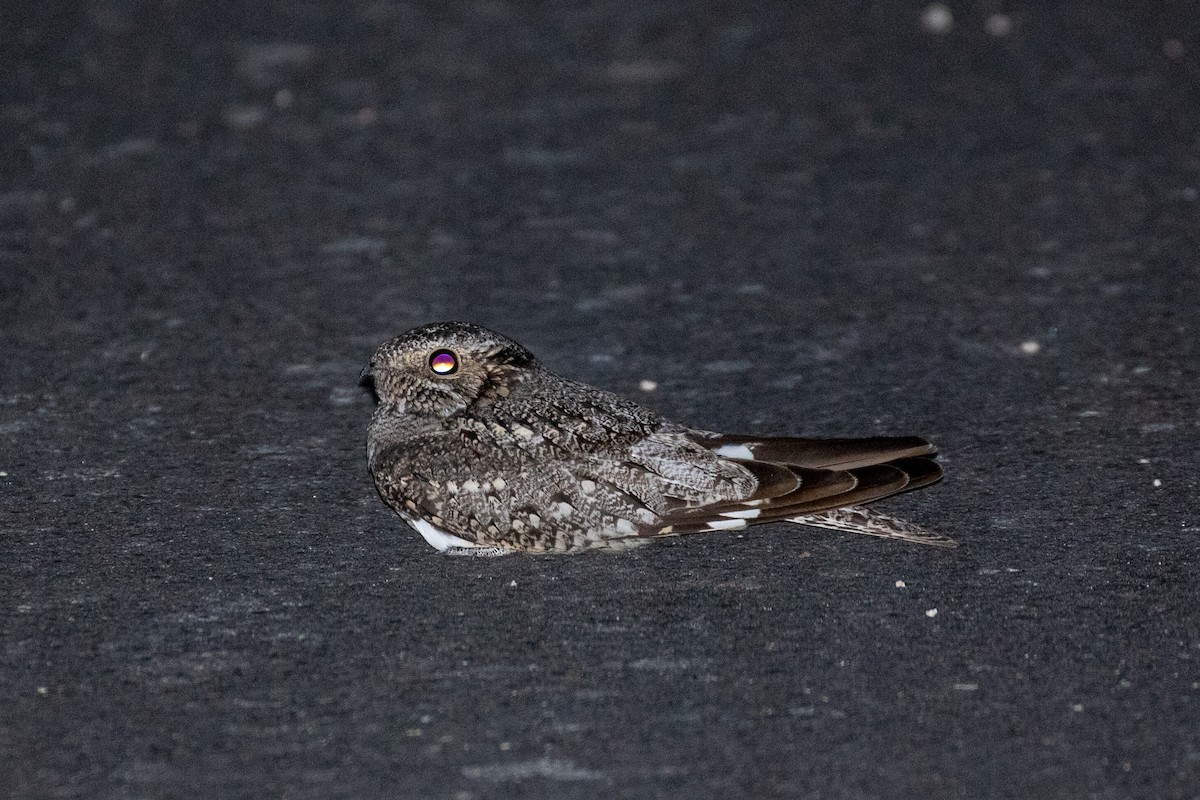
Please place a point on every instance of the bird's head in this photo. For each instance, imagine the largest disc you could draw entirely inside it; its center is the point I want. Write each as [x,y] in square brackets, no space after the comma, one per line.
[443,368]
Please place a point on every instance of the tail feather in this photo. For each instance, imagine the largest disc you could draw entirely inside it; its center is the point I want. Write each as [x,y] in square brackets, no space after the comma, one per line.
[856,519]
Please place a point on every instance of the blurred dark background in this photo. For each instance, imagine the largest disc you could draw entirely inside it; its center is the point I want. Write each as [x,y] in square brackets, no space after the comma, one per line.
[972,221]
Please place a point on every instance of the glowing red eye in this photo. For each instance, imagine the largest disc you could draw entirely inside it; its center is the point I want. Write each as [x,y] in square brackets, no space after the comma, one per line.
[443,362]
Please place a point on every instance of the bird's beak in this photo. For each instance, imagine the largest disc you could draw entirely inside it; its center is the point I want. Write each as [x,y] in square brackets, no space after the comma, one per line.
[368,372]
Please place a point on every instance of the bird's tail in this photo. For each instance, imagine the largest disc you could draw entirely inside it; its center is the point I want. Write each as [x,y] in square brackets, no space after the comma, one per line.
[857,519]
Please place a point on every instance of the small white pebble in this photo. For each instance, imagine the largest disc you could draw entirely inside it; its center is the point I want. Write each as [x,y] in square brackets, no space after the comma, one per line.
[506,746]
[900,584]
[514,583]
[648,385]
[1157,482]
[998,25]
[3,474]
[42,690]
[937,18]
[1143,461]
[931,613]
[1031,347]
[1077,707]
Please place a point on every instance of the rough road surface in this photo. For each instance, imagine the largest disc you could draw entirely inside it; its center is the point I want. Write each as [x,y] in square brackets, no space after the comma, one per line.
[810,218]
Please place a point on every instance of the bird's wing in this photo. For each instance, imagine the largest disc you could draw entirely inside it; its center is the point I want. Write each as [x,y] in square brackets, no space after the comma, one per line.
[803,480]
[531,495]
[841,454]
[667,483]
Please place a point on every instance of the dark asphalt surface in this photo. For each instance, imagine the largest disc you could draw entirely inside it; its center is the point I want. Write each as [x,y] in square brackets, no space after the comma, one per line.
[821,218]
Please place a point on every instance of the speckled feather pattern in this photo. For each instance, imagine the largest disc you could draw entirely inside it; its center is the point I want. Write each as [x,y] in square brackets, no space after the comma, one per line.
[509,457]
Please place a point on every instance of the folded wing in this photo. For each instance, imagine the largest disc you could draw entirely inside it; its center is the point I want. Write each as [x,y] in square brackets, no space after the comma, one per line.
[820,482]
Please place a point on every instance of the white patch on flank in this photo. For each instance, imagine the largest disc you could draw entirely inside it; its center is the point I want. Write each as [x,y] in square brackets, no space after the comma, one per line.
[726,524]
[749,513]
[626,527]
[438,538]
[735,451]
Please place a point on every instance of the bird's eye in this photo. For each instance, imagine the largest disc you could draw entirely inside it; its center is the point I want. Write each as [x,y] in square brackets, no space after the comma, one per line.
[443,362]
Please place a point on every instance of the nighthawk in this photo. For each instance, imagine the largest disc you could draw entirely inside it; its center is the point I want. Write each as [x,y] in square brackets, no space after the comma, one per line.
[485,452]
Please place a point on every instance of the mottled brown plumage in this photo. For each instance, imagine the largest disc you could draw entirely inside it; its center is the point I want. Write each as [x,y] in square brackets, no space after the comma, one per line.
[484,452]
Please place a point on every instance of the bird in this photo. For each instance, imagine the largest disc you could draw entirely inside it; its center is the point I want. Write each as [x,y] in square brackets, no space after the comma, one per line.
[484,452]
